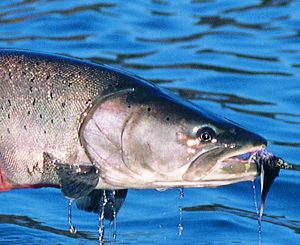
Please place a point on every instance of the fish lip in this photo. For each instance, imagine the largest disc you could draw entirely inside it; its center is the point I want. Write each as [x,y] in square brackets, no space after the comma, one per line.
[236,154]
[222,162]
[223,179]
[232,159]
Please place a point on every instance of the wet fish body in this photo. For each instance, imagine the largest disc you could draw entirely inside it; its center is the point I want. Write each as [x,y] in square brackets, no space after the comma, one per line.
[86,127]
[42,101]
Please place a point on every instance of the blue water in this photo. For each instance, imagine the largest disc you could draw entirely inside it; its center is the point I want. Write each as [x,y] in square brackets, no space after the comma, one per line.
[240,59]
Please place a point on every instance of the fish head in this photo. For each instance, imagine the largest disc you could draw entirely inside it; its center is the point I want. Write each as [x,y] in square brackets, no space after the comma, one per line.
[163,141]
[188,144]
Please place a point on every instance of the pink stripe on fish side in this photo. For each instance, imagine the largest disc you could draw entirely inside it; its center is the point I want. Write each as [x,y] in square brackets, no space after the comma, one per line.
[5,185]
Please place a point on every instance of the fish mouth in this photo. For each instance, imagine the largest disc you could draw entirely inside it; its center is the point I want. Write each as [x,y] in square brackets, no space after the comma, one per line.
[239,161]
[230,166]
[236,165]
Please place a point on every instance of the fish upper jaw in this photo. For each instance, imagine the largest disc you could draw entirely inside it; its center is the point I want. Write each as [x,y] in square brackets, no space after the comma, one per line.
[237,165]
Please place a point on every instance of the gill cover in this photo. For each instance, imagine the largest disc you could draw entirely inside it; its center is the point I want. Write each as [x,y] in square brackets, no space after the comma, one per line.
[128,137]
[101,126]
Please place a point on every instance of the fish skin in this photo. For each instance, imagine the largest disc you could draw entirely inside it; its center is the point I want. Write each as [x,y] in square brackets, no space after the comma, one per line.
[84,128]
[42,98]
[50,111]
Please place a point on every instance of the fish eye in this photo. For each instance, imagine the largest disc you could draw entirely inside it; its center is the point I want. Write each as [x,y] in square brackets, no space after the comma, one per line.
[205,134]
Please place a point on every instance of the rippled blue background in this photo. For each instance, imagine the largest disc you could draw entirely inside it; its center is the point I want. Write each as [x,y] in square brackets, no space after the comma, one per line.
[240,59]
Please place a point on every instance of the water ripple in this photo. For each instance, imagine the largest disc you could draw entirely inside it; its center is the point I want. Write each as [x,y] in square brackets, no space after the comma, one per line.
[217,21]
[262,4]
[284,143]
[276,220]
[240,55]
[5,17]
[222,98]
[28,222]
[240,59]
[272,115]
[216,68]
[190,37]
[54,38]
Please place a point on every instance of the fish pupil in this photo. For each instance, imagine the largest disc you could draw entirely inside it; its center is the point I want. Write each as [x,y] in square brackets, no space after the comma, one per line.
[205,134]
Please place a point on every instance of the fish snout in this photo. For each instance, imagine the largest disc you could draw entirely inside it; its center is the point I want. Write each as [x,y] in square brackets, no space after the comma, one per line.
[239,137]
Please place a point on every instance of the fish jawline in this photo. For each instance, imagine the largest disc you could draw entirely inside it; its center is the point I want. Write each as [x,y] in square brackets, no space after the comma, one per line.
[198,184]
[216,182]
[245,150]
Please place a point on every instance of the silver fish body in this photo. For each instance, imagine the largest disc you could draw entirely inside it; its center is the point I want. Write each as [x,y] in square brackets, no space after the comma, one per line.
[65,122]
[42,101]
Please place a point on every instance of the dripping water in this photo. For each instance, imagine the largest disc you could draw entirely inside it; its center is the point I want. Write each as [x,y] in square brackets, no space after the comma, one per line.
[113,222]
[103,201]
[181,193]
[259,214]
[180,225]
[72,228]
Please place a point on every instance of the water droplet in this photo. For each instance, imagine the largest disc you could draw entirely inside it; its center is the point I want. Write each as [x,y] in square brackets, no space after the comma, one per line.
[103,201]
[180,225]
[181,193]
[180,229]
[72,228]
[113,222]
[257,212]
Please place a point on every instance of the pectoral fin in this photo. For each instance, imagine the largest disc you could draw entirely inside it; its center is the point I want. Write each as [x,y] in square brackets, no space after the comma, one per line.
[91,202]
[77,180]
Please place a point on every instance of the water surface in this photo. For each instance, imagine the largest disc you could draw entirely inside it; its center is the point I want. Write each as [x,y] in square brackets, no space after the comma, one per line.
[240,59]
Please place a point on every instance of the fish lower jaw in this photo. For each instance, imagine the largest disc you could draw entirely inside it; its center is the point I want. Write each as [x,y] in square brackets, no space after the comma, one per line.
[223,172]
[167,184]
[126,178]
[163,185]
[197,184]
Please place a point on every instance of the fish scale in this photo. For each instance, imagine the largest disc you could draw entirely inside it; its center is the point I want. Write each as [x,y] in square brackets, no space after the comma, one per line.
[45,98]
[77,113]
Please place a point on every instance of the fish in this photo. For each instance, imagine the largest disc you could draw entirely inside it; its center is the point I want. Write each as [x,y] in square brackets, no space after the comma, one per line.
[85,128]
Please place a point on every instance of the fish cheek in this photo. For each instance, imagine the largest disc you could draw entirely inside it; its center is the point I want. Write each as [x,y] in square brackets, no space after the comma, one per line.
[150,147]
[100,135]
[136,152]
[202,166]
